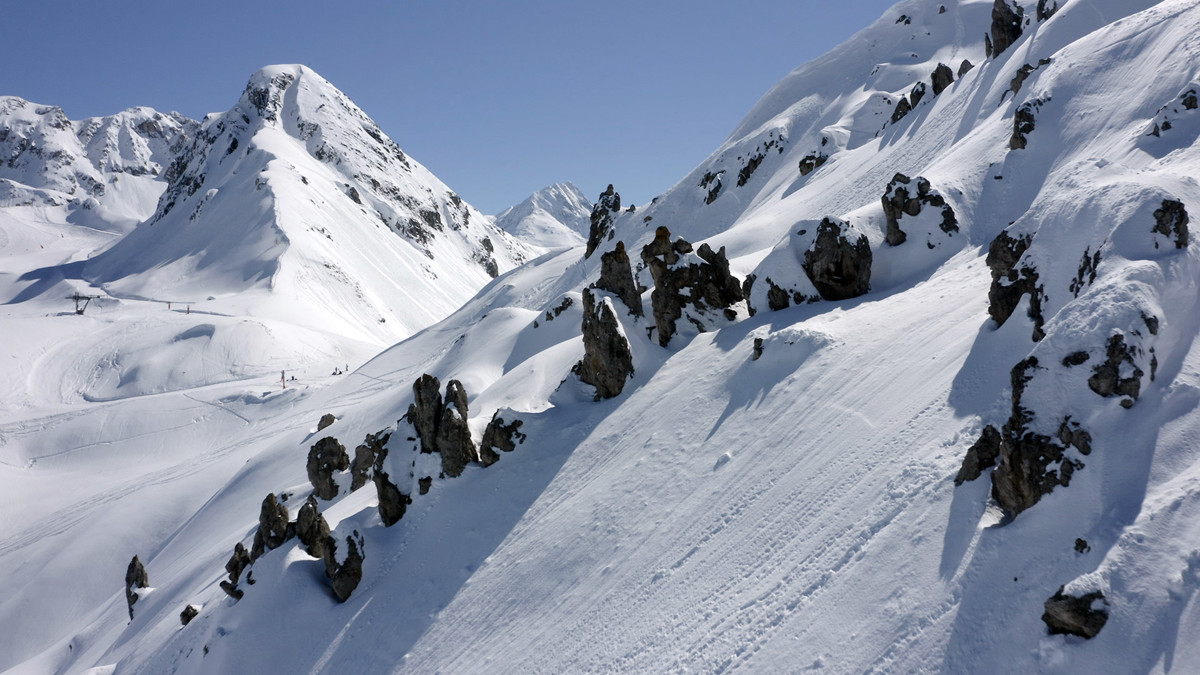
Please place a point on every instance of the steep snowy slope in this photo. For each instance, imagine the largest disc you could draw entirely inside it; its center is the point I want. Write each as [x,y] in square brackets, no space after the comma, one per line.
[862,421]
[553,217]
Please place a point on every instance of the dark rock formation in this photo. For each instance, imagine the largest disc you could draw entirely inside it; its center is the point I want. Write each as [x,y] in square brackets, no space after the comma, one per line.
[426,410]
[965,67]
[365,457]
[902,109]
[607,361]
[811,162]
[838,268]
[899,201]
[982,455]
[943,77]
[190,612]
[1171,220]
[237,563]
[392,502]
[917,93]
[1106,378]
[1046,9]
[1075,359]
[616,277]
[326,420]
[324,457]
[135,578]
[1009,282]
[272,527]
[1023,124]
[344,576]
[1086,274]
[608,204]
[702,285]
[711,182]
[757,352]
[453,435]
[499,436]
[423,484]
[311,528]
[1066,614]
[1008,20]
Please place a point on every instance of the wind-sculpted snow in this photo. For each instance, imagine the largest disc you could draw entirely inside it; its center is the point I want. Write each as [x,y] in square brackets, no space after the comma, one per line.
[771,491]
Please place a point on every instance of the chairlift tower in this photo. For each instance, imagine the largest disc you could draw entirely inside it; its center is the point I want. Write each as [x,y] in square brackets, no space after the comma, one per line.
[85,299]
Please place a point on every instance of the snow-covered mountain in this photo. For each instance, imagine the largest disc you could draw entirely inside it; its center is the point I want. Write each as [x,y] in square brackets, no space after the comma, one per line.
[553,217]
[901,378]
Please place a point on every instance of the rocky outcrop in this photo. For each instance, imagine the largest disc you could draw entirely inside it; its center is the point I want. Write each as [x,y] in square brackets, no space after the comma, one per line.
[324,457]
[1171,221]
[942,78]
[311,528]
[811,162]
[965,67]
[838,267]
[1023,124]
[441,425]
[601,228]
[392,502]
[616,277]
[1023,74]
[712,183]
[1010,282]
[273,527]
[190,612]
[326,420]
[607,361]
[365,458]
[701,282]
[982,455]
[900,200]
[135,578]
[902,109]
[1046,9]
[1106,377]
[237,563]
[345,574]
[499,436]
[1069,615]
[1008,20]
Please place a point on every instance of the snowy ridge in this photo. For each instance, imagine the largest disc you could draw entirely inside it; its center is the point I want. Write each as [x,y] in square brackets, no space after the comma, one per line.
[553,217]
[787,484]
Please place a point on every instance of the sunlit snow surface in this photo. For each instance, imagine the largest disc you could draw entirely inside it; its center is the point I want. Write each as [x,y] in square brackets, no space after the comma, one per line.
[791,513]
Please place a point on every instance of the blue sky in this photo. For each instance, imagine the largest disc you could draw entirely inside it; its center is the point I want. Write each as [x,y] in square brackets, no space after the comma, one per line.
[497,99]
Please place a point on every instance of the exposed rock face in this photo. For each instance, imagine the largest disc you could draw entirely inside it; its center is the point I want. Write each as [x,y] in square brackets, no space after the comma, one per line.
[1007,23]
[711,182]
[272,527]
[499,436]
[902,109]
[392,502]
[679,283]
[326,420]
[190,612]
[1009,282]
[1066,614]
[1023,74]
[602,219]
[839,268]
[442,425]
[1046,9]
[812,162]
[324,457]
[607,361]
[965,67]
[1106,378]
[1023,124]
[900,200]
[982,455]
[1171,220]
[344,576]
[365,457]
[237,563]
[943,77]
[311,528]
[135,578]
[616,277]
[453,435]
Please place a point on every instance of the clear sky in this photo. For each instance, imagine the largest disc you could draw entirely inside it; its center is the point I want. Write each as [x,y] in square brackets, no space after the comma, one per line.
[498,99]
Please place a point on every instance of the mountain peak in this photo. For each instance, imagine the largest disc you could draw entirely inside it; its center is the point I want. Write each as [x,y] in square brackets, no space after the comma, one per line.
[553,217]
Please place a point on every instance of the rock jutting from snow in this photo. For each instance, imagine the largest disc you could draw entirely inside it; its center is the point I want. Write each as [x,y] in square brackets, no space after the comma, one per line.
[1106,377]
[324,457]
[965,67]
[982,455]
[606,206]
[1046,9]
[607,361]
[273,527]
[898,201]
[811,162]
[190,612]
[311,528]
[453,435]
[702,283]
[942,78]
[839,268]
[1023,74]
[1009,282]
[426,410]
[365,457]
[1023,124]
[1171,220]
[1008,20]
[499,436]
[135,578]
[392,502]
[344,576]
[616,277]
[326,420]
[236,564]
[1069,615]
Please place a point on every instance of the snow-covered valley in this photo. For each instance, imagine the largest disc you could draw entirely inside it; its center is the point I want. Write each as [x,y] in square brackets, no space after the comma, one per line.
[903,368]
